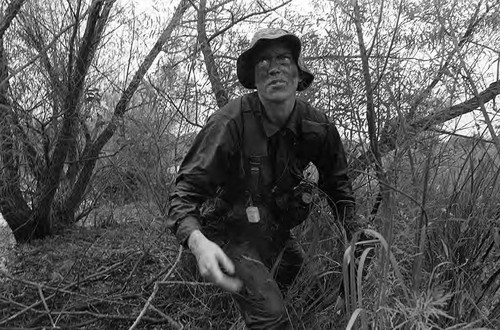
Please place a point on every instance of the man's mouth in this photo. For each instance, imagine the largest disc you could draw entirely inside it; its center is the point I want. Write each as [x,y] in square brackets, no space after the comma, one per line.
[277,82]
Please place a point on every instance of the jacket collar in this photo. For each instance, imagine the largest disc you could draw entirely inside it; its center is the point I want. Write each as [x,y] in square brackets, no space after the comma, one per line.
[269,128]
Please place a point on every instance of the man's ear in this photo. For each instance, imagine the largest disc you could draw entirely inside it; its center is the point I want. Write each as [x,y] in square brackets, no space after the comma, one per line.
[301,77]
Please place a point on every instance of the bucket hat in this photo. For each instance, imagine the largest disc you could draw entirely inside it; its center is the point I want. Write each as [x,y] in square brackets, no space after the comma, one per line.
[245,65]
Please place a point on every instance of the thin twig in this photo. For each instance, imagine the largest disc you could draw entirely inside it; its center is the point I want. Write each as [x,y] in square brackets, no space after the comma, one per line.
[165,316]
[127,280]
[9,15]
[186,283]
[118,298]
[40,53]
[153,294]
[155,279]
[46,306]
[105,316]
[64,289]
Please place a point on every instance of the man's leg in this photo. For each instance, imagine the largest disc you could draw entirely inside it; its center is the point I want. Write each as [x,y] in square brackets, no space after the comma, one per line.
[260,300]
[288,264]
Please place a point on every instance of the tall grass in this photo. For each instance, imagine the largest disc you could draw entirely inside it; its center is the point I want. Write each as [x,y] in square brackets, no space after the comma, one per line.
[443,267]
[460,266]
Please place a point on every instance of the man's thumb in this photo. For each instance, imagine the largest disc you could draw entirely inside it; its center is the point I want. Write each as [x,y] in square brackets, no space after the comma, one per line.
[225,262]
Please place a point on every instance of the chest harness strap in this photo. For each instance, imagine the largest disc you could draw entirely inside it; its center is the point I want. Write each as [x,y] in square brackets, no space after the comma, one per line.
[254,151]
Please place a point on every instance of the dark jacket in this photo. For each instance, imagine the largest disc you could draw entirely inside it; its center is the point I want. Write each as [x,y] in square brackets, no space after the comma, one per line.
[215,164]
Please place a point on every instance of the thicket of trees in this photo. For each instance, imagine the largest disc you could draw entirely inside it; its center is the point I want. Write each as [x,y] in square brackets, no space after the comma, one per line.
[98,98]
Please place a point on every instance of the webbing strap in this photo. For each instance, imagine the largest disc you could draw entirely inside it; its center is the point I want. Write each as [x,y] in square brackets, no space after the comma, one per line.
[254,147]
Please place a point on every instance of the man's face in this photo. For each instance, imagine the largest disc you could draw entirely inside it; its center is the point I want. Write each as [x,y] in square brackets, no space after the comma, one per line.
[276,73]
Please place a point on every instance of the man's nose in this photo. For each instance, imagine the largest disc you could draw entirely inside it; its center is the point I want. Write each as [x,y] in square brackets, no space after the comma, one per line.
[274,67]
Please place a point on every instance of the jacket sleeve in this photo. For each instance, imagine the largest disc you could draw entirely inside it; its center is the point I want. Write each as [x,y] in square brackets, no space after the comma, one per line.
[203,170]
[334,179]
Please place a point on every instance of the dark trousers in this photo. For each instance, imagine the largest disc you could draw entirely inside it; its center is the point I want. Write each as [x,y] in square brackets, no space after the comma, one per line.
[265,277]
[267,259]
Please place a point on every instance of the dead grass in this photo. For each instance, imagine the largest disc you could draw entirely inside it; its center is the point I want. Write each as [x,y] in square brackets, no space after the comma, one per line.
[100,277]
[88,278]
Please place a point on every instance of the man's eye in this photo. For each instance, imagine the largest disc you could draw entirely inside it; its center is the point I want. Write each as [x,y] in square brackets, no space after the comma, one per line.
[262,60]
[261,64]
[284,59]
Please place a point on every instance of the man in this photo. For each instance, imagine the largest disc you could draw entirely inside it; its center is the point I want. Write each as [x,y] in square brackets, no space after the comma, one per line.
[250,156]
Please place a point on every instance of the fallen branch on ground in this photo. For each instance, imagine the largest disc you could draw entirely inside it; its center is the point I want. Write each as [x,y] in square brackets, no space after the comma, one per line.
[153,294]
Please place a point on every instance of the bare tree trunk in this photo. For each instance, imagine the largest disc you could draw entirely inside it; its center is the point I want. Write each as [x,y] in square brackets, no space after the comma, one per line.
[371,115]
[41,216]
[27,223]
[91,152]
[14,208]
[34,223]
[370,106]
[213,74]
[385,191]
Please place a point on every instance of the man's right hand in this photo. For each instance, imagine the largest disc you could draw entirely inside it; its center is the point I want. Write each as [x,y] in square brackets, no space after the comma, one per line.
[211,260]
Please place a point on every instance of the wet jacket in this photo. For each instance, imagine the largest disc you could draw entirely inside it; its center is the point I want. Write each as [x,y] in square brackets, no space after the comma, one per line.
[216,165]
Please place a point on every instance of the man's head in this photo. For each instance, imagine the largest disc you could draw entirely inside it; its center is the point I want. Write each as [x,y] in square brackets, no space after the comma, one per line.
[273,64]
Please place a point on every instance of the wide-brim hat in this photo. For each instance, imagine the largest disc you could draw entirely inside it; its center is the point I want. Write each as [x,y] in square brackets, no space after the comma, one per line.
[245,65]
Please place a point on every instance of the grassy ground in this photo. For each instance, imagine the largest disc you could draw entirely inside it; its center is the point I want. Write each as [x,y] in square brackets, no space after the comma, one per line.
[124,270]
[88,277]
[100,276]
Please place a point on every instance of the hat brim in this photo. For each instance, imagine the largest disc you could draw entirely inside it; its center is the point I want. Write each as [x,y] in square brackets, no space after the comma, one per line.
[245,65]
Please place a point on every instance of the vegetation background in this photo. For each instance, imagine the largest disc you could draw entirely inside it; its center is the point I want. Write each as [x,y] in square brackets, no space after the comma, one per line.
[100,99]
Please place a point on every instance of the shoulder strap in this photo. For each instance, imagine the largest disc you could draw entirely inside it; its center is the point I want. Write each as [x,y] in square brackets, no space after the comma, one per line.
[254,146]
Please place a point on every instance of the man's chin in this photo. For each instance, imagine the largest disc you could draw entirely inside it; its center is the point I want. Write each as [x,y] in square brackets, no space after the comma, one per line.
[279,95]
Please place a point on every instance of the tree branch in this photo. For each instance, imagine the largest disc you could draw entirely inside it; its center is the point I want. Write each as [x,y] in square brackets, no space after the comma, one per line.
[10,14]
[220,93]
[12,204]
[92,151]
[153,294]
[98,15]
[388,138]
[242,18]
[454,111]
[419,97]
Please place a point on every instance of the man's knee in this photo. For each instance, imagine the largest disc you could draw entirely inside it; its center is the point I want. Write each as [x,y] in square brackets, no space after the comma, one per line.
[262,306]
[290,264]
[275,317]
[260,300]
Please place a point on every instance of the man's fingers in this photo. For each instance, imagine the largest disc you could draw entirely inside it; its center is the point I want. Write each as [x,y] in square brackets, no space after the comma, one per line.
[211,260]
[225,262]
[231,284]
[217,277]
